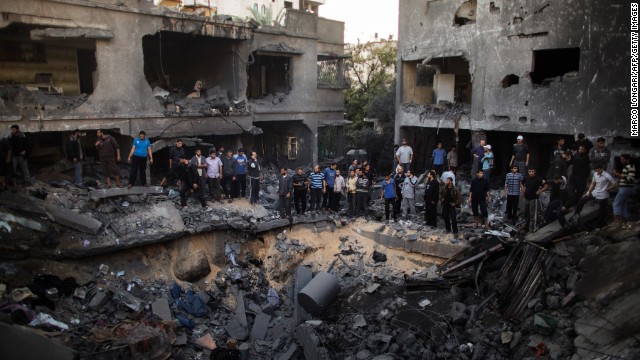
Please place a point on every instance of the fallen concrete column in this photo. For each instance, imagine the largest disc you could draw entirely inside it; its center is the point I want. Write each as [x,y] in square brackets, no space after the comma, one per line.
[73,220]
[319,293]
[136,190]
[22,202]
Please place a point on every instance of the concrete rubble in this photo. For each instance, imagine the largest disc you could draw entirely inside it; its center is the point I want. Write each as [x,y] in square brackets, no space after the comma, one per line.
[237,281]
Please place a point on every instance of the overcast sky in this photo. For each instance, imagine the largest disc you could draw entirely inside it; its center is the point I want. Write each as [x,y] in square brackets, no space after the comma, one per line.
[364,18]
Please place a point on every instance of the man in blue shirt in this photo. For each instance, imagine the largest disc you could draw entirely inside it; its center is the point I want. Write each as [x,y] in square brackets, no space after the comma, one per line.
[438,155]
[241,173]
[329,178]
[138,158]
[389,196]
[317,186]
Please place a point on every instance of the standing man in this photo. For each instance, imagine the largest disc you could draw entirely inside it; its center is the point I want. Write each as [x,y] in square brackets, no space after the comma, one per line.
[254,177]
[339,186]
[317,187]
[520,155]
[75,155]
[559,149]
[533,186]
[389,196]
[351,191]
[214,172]
[477,154]
[627,182]
[479,196]
[404,155]
[228,175]
[439,155]
[19,147]
[176,154]
[452,158]
[109,153]
[369,174]
[582,141]
[300,189]
[399,178]
[487,162]
[580,173]
[409,195]
[140,150]
[450,197]
[199,163]
[241,173]
[600,155]
[329,177]
[285,188]
[601,184]
[512,189]
[362,192]
[431,193]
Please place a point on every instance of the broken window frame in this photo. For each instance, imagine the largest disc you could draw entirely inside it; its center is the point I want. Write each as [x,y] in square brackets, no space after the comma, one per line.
[286,146]
[264,88]
[332,72]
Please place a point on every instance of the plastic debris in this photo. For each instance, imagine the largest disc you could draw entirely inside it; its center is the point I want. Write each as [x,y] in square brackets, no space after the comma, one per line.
[46,319]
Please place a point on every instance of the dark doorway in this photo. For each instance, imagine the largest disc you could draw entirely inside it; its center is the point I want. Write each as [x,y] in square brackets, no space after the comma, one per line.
[550,63]
[86,66]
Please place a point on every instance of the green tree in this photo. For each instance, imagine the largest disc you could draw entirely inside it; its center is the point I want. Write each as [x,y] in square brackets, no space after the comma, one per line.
[371,69]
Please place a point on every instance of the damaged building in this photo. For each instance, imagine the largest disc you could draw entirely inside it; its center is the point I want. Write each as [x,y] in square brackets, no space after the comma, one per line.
[185,69]
[496,69]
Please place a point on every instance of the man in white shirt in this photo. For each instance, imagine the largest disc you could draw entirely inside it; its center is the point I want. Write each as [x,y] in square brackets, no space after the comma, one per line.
[601,184]
[214,170]
[404,155]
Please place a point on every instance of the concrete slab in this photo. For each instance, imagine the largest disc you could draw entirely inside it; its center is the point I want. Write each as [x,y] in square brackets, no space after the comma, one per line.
[235,330]
[290,353]
[22,202]
[260,327]
[554,230]
[161,309]
[123,191]
[23,221]
[313,350]
[73,220]
[443,250]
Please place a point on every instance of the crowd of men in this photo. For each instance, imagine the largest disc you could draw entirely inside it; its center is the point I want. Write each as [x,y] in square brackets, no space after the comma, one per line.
[576,175]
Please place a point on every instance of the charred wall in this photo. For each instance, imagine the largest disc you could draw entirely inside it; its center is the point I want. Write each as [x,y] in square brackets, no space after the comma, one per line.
[570,59]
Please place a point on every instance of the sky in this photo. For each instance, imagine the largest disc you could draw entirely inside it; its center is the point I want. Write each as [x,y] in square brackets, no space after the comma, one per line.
[364,18]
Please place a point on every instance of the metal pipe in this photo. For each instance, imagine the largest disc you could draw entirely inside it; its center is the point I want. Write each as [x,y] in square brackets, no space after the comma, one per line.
[319,293]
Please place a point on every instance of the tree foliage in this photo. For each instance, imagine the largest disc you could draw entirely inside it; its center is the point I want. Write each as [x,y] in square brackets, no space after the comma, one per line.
[371,71]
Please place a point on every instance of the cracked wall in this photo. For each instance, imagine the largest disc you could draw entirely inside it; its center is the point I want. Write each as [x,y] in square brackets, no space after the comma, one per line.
[500,46]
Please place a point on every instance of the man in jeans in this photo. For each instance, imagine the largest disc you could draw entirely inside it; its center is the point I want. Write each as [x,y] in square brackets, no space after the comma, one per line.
[214,171]
[627,182]
[533,186]
[140,150]
[329,177]
[228,175]
[362,192]
[241,173]
[285,188]
[389,196]
[75,155]
[404,155]
[317,187]
[253,171]
[512,189]
[601,184]
[409,195]
[300,189]
[351,191]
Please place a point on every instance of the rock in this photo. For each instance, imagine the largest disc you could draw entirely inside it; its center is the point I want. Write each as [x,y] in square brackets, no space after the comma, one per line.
[207,342]
[192,267]
[363,354]
[359,321]
[553,302]
[506,337]
[98,300]
[459,313]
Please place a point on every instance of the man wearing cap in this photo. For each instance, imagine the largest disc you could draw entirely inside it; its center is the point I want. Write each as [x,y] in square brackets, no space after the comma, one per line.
[75,155]
[140,150]
[214,171]
[487,162]
[520,155]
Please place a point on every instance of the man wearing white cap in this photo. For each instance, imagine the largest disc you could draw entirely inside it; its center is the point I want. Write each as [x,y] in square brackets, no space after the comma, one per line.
[520,156]
[487,162]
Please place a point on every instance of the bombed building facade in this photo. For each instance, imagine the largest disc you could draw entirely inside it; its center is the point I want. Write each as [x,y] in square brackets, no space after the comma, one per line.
[499,68]
[127,66]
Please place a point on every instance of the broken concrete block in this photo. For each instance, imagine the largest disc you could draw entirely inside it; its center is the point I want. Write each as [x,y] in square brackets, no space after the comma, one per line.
[290,353]
[359,321]
[73,220]
[235,330]
[125,298]
[180,340]
[161,309]
[311,344]
[207,342]
[506,337]
[192,267]
[136,190]
[459,313]
[98,300]
[260,327]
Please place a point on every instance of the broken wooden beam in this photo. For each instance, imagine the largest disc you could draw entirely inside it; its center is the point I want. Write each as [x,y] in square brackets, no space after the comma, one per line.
[123,191]
[473,259]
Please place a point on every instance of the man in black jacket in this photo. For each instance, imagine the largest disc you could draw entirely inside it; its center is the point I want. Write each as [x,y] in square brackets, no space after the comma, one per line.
[228,175]
[431,193]
[176,154]
[285,189]
[300,189]
[19,147]
[75,155]
[580,173]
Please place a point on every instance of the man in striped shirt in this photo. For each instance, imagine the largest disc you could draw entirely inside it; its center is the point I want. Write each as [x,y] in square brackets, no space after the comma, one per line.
[512,189]
[627,183]
[317,186]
